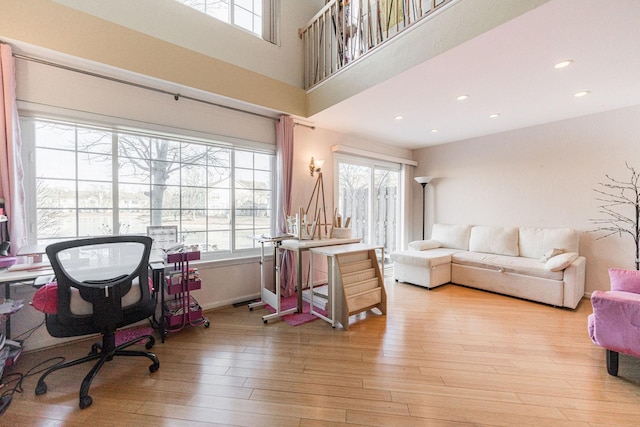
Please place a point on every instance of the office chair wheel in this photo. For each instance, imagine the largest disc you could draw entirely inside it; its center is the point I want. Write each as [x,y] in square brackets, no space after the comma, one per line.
[85,402]
[41,388]
[207,324]
[150,343]
[154,367]
[95,348]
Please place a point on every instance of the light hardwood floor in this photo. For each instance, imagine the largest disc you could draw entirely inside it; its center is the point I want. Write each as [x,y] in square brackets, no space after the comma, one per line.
[450,356]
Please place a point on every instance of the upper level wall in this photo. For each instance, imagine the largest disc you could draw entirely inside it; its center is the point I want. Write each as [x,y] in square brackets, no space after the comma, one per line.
[49,24]
[178,24]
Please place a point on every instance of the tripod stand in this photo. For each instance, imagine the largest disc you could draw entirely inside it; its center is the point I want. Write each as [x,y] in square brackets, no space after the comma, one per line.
[317,193]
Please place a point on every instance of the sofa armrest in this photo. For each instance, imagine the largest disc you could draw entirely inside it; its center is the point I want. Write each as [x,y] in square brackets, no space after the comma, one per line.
[574,282]
[616,321]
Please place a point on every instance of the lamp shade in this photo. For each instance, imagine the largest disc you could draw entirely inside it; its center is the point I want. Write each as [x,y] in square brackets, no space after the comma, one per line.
[423,179]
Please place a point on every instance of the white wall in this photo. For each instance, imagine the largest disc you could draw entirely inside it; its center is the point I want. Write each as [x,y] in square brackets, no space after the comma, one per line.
[541,176]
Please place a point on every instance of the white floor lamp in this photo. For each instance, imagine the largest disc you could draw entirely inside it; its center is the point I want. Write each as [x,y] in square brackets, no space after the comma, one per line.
[423,180]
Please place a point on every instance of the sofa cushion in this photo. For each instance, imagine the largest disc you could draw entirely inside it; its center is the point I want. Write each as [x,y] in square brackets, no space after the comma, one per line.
[494,240]
[624,280]
[507,264]
[424,258]
[423,245]
[451,236]
[534,242]
[560,262]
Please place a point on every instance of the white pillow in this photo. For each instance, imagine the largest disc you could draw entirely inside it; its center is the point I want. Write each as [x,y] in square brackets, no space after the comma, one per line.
[423,245]
[560,262]
[550,254]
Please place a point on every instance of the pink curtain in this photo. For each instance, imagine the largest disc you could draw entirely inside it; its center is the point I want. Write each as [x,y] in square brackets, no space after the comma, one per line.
[284,174]
[11,173]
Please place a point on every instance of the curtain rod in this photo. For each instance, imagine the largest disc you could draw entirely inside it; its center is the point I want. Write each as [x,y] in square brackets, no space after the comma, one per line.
[176,96]
[312,127]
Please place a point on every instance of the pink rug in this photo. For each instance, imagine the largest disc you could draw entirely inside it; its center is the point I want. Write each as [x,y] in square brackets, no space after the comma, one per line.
[124,335]
[296,319]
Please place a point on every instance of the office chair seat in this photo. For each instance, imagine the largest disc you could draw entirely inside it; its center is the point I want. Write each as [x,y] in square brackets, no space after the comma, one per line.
[106,272]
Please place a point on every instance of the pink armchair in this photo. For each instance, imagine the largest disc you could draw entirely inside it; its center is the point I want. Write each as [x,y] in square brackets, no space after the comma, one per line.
[615,322]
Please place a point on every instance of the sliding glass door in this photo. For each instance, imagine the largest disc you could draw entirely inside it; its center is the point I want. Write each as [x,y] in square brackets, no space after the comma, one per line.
[368,192]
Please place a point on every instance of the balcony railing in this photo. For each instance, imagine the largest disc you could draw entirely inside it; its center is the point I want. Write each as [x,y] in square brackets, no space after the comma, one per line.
[346,30]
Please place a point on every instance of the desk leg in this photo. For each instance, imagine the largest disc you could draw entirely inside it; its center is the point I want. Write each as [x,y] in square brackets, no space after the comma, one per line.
[277,301]
[299,278]
[260,303]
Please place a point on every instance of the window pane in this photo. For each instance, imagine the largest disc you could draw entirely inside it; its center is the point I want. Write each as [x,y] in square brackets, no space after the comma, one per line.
[163,172]
[93,222]
[246,4]
[262,180]
[133,146]
[194,198]
[244,199]
[132,196]
[96,167]
[243,18]
[194,175]
[194,153]
[244,178]
[94,141]
[244,240]
[219,199]
[130,170]
[54,193]
[56,223]
[55,136]
[219,241]
[134,220]
[219,219]
[95,195]
[55,163]
[165,197]
[243,159]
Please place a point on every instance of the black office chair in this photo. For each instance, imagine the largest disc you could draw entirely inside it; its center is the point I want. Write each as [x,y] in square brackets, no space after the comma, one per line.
[103,285]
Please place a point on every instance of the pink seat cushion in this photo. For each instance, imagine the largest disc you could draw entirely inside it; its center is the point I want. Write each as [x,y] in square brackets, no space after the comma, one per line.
[7,261]
[45,299]
[624,280]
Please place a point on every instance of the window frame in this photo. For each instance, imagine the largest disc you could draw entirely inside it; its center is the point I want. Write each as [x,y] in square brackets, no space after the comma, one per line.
[235,250]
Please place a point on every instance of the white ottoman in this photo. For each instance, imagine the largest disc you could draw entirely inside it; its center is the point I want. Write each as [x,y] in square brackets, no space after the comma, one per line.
[428,268]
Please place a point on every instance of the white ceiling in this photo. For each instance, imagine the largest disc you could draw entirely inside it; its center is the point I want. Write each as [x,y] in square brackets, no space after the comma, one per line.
[508,70]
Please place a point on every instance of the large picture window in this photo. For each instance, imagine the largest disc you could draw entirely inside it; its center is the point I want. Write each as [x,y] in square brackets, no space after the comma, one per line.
[91,181]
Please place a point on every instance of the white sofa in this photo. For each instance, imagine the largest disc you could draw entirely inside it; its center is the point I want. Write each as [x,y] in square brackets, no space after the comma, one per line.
[538,264]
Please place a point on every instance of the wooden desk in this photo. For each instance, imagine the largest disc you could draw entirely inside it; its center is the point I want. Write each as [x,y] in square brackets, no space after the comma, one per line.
[299,246]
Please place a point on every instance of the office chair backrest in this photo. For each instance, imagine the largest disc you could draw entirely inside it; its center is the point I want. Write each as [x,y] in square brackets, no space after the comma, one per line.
[110,273]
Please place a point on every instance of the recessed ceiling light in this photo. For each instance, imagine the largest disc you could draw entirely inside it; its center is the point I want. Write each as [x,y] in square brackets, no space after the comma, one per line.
[494,115]
[434,130]
[462,97]
[563,64]
[581,93]
[399,117]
